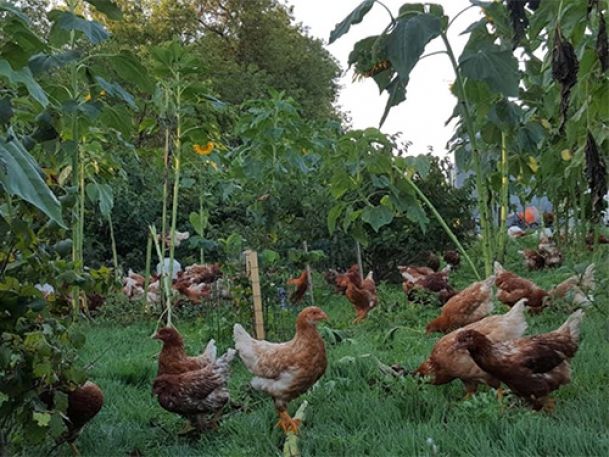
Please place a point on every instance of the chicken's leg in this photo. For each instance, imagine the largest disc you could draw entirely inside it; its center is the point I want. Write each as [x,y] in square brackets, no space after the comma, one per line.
[286,423]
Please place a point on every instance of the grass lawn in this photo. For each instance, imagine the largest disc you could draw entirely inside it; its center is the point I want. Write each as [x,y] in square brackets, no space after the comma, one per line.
[355,410]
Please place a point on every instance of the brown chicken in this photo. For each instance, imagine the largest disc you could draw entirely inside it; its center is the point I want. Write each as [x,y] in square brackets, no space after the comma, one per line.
[199,273]
[285,370]
[448,361]
[436,282]
[362,297]
[533,260]
[452,258]
[198,393]
[550,252]
[470,305]
[513,288]
[84,403]
[173,358]
[194,292]
[341,280]
[531,367]
[575,287]
[302,285]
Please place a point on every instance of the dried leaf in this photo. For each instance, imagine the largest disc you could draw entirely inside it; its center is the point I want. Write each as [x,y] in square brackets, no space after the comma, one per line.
[564,70]
[596,174]
[520,22]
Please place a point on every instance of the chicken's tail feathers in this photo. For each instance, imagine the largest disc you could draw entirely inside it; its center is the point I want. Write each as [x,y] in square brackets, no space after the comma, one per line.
[572,324]
[498,268]
[488,282]
[211,351]
[370,275]
[222,364]
[587,282]
[240,336]
[516,318]
[408,277]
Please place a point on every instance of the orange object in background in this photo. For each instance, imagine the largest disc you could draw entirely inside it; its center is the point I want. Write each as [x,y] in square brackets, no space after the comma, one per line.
[531,215]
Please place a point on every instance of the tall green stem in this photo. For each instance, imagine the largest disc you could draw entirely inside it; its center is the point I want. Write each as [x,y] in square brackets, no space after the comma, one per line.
[444,225]
[485,225]
[202,252]
[176,184]
[504,198]
[117,275]
[76,213]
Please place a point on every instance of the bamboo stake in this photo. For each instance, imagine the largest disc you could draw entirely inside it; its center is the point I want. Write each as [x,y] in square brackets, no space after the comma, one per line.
[358,252]
[309,277]
[290,448]
[251,262]
[147,271]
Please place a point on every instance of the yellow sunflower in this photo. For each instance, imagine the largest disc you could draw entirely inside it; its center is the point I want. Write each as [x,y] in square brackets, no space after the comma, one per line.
[203,150]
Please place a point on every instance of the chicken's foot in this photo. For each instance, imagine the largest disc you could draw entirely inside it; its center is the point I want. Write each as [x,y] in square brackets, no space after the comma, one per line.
[286,423]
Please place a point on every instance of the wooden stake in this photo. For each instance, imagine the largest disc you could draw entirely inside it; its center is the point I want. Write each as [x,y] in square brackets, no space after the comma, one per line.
[251,264]
[359,260]
[309,277]
[147,272]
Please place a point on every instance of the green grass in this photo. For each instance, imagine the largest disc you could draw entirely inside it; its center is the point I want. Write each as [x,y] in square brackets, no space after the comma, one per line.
[354,409]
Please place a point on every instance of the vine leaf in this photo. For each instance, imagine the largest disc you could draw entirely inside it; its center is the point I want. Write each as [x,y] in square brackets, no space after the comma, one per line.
[355,17]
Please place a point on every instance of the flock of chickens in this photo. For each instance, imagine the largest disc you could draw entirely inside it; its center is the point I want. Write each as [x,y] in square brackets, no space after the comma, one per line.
[476,348]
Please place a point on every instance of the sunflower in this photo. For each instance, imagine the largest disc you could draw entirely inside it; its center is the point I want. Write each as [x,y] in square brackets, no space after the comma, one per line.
[203,150]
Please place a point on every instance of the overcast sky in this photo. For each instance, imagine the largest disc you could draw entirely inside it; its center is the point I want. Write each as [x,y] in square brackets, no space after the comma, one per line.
[429,102]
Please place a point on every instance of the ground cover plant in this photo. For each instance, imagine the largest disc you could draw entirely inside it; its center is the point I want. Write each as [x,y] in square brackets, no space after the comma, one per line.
[356,409]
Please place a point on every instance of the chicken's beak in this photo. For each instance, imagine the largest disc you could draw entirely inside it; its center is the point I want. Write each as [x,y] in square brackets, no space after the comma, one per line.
[324,316]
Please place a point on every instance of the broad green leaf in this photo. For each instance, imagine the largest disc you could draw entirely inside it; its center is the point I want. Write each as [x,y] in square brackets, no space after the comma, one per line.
[116,90]
[41,63]
[66,21]
[407,41]
[505,114]
[21,176]
[128,67]
[333,216]
[484,61]
[24,77]
[107,7]
[199,221]
[355,17]
[377,216]
[101,193]
[340,184]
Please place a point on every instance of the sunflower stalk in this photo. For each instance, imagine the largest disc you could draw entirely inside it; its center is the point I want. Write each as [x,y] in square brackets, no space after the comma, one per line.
[504,199]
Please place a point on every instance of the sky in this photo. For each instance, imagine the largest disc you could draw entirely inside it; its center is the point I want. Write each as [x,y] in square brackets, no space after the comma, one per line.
[429,102]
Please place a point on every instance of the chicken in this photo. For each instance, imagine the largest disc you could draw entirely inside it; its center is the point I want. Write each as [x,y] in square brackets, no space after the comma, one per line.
[448,361]
[302,285]
[198,273]
[194,292]
[602,239]
[470,305]
[433,282]
[533,260]
[173,358]
[285,370]
[362,297]
[341,280]
[550,253]
[513,288]
[452,258]
[197,393]
[84,403]
[532,367]
[133,285]
[576,287]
